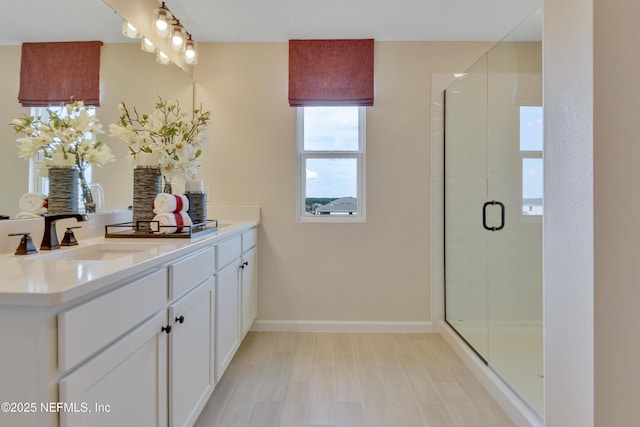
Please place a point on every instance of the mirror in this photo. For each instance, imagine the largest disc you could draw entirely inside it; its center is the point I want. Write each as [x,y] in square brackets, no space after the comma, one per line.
[126,74]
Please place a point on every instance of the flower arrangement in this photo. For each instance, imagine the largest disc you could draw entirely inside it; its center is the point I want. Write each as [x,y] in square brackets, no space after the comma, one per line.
[65,138]
[174,141]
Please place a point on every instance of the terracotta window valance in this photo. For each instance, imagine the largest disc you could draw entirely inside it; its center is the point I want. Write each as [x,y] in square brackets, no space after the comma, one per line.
[53,73]
[331,72]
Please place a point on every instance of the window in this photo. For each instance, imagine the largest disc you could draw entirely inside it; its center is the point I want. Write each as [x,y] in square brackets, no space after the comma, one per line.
[531,146]
[331,164]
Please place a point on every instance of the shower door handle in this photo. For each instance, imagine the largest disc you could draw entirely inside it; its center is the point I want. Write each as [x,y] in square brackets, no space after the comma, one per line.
[484,215]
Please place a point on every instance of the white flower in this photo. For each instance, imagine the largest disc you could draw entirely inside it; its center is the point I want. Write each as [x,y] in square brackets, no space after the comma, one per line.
[166,133]
[72,134]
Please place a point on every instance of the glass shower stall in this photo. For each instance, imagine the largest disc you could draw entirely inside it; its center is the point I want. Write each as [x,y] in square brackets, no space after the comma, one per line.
[494,207]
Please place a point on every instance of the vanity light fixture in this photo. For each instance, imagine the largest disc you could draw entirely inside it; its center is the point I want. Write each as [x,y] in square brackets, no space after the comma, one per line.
[130,31]
[190,54]
[162,20]
[162,58]
[148,46]
[166,25]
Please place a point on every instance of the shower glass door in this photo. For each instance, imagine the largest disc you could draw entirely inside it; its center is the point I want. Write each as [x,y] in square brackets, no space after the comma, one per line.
[465,193]
[493,211]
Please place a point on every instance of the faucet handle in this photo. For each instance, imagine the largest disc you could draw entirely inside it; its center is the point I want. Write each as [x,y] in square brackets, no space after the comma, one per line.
[69,238]
[26,246]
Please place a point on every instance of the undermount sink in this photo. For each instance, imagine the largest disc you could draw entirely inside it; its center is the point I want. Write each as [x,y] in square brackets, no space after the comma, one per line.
[96,252]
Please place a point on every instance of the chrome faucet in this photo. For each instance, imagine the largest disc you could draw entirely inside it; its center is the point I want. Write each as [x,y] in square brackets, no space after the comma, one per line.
[50,237]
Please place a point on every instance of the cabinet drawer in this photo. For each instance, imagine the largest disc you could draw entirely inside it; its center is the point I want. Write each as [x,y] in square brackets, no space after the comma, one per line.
[191,271]
[249,239]
[228,251]
[89,327]
[130,376]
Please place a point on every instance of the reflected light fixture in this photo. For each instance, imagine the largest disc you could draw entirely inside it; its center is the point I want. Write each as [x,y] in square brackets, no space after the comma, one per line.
[162,58]
[162,20]
[190,53]
[130,31]
[148,46]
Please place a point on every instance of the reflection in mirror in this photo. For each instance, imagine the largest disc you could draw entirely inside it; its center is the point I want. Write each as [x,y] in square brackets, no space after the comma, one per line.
[126,74]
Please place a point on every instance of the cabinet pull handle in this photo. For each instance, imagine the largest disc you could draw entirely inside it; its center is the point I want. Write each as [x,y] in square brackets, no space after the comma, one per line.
[166,329]
[180,319]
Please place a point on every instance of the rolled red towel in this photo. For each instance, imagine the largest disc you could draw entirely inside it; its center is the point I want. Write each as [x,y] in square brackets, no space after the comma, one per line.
[165,202]
[172,222]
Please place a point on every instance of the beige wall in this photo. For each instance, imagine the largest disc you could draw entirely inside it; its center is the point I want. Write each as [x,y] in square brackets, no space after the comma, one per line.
[14,172]
[616,150]
[378,271]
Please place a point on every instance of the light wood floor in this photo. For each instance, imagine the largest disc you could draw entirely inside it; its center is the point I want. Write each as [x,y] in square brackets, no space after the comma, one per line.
[288,379]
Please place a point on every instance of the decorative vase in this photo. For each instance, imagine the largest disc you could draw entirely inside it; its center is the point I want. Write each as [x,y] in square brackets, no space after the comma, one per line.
[197,207]
[63,190]
[147,183]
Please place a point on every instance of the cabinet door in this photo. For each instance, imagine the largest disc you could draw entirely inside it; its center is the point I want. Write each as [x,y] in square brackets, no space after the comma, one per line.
[249,289]
[228,316]
[125,385]
[191,370]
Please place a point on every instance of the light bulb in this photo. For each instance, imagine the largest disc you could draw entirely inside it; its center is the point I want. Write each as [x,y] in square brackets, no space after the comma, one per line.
[161,19]
[147,45]
[190,54]
[177,37]
[162,58]
[130,31]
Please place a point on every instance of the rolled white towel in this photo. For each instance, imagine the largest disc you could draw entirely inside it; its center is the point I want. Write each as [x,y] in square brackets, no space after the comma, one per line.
[26,215]
[34,203]
[165,202]
[172,222]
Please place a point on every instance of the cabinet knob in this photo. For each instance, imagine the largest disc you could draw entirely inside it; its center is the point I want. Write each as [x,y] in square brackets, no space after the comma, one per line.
[166,329]
[180,319]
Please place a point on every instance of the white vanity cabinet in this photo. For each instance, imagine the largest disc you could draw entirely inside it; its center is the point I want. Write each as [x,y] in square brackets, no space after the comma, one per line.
[237,295]
[125,385]
[166,361]
[191,353]
[228,303]
[137,341]
[249,280]
[136,361]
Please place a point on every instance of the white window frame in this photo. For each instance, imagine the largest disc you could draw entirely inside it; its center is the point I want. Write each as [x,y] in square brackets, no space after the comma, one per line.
[531,154]
[359,155]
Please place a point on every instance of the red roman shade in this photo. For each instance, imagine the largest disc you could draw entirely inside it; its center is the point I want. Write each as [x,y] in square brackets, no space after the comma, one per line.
[330,72]
[53,73]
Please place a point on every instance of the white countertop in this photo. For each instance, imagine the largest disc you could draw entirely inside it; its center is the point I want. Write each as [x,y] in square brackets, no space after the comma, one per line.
[56,277]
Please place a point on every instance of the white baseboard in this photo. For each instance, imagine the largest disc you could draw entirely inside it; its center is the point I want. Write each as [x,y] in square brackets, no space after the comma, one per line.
[520,412]
[339,326]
